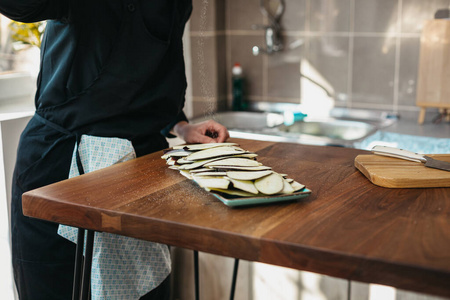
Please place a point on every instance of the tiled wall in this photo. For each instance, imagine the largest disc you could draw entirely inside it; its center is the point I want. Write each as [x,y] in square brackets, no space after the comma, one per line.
[366,51]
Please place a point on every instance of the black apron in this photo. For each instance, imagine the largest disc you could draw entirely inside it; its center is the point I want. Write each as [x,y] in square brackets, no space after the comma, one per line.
[112,106]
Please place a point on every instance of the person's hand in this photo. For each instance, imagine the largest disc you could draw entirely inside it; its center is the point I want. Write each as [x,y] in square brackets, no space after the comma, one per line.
[201,133]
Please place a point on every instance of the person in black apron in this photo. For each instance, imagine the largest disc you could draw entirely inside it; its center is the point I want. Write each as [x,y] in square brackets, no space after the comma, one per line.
[111,68]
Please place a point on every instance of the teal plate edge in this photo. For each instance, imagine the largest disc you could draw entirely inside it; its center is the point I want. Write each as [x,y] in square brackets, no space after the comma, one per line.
[262,200]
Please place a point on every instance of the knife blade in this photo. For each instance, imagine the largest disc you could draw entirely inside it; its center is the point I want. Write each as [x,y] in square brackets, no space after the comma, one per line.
[412,156]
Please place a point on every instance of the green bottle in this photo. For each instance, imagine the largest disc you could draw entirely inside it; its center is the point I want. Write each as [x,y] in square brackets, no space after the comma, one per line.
[238,88]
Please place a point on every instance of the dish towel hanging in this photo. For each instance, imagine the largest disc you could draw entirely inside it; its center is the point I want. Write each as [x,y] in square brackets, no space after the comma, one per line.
[122,267]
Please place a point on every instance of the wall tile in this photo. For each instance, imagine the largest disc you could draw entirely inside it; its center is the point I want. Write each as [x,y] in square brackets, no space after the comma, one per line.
[409,65]
[330,15]
[373,70]
[326,27]
[203,108]
[329,56]
[208,15]
[415,12]
[295,15]
[220,14]
[242,15]
[283,80]
[221,60]
[376,15]
[203,16]
[204,67]
[241,51]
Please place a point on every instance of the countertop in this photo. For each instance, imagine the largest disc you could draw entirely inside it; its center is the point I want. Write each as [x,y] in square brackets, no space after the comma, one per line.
[347,228]
[429,138]
[428,129]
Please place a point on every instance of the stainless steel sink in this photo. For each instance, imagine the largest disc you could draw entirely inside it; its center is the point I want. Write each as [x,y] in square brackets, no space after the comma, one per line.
[330,128]
[344,129]
[247,121]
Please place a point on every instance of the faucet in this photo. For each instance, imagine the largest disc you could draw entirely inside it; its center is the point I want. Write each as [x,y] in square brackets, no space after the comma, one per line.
[272,35]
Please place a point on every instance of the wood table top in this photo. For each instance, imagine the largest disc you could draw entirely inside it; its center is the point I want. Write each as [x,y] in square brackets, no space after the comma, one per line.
[347,228]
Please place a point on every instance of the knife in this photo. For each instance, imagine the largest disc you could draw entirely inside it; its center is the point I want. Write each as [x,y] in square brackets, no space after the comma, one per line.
[408,155]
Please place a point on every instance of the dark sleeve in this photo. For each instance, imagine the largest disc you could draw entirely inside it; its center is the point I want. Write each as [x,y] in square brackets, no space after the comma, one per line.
[166,131]
[28,11]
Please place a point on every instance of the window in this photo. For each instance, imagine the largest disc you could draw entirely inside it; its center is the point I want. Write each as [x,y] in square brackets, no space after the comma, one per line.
[19,46]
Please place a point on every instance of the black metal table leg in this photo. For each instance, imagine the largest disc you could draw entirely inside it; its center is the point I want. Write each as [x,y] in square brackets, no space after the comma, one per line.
[233,280]
[78,265]
[85,285]
[196,276]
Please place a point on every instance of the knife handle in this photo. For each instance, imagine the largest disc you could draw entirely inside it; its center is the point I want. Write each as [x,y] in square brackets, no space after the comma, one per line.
[398,153]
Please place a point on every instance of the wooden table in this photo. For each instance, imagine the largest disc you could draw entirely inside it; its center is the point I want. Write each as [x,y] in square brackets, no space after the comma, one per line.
[347,228]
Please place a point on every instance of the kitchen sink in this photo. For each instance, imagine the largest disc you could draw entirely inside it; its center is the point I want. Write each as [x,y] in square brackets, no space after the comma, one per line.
[248,121]
[343,127]
[331,128]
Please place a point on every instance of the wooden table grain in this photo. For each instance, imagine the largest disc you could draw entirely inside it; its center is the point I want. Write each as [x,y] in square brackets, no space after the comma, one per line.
[347,228]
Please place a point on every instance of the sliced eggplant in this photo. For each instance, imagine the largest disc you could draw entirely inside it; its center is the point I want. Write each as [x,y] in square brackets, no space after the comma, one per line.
[234,161]
[297,186]
[287,187]
[197,147]
[214,152]
[244,185]
[209,174]
[213,183]
[240,168]
[196,164]
[186,174]
[248,175]
[183,161]
[201,170]
[247,155]
[228,169]
[171,161]
[233,192]
[176,153]
[250,156]
[191,166]
[270,184]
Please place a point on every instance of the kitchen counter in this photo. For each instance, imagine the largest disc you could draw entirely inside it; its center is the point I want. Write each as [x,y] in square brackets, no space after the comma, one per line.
[428,138]
[347,228]
[429,129]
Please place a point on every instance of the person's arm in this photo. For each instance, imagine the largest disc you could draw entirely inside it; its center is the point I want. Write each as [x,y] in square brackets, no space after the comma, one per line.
[168,130]
[204,132]
[28,11]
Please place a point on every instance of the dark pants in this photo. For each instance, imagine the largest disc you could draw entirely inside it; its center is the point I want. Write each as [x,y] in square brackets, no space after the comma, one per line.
[162,292]
[43,262]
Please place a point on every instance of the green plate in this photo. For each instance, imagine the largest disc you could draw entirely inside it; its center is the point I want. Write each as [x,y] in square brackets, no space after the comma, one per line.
[243,201]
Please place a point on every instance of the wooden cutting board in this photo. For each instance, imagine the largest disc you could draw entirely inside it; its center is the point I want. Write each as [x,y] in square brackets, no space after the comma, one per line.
[398,173]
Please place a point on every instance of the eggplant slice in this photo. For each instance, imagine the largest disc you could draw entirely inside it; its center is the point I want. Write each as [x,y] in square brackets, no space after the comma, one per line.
[228,169]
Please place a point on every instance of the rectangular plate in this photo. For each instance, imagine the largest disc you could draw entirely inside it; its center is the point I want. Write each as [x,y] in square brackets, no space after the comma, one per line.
[242,201]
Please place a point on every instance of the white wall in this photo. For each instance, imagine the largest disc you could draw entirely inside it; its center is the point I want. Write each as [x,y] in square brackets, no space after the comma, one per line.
[16,108]
[10,130]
